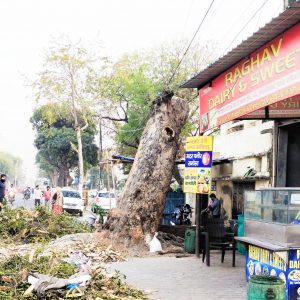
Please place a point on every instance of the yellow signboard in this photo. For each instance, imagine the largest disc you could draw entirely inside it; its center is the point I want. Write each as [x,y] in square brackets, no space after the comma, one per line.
[198,162]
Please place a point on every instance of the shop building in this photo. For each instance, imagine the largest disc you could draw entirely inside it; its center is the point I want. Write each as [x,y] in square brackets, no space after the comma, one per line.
[260,80]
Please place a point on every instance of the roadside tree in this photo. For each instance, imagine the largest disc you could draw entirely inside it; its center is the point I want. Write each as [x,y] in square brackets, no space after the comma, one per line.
[56,141]
[68,78]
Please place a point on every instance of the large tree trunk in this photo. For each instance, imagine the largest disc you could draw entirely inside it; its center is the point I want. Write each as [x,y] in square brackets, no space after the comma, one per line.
[140,206]
[63,173]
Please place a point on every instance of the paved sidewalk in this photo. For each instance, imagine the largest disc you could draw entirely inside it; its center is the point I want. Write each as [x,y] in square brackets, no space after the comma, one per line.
[186,278]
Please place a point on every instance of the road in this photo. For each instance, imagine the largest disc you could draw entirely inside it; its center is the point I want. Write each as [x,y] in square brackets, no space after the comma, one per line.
[29,204]
[20,202]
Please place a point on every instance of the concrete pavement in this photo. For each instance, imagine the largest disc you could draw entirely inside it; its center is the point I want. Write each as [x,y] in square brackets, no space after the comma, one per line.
[180,278]
[186,278]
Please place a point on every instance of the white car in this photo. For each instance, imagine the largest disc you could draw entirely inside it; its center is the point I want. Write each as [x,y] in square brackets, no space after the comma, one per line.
[73,202]
[106,200]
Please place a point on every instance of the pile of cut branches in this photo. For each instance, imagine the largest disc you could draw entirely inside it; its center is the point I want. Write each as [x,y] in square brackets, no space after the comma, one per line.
[15,270]
[38,225]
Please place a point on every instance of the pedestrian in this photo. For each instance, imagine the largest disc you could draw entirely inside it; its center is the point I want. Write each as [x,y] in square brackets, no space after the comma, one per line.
[37,196]
[11,194]
[57,201]
[2,190]
[215,206]
[47,196]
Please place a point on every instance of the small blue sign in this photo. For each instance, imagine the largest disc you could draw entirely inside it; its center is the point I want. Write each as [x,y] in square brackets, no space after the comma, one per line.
[198,159]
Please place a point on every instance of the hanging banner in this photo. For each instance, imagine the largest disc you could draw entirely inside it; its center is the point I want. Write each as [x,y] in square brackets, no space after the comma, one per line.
[198,163]
[268,75]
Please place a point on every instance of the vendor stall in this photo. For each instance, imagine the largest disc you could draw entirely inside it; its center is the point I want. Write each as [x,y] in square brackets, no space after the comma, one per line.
[272,223]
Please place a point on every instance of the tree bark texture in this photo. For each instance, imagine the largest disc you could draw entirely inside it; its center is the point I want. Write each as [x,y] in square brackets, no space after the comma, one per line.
[140,206]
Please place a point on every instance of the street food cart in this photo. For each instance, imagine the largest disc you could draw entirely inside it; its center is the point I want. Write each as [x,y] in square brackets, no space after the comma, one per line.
[272,225]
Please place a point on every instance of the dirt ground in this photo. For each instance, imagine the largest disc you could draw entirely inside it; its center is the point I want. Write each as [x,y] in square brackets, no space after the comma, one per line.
[170,278]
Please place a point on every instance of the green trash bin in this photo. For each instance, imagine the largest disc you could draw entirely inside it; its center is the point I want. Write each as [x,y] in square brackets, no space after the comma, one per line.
[190,240]
[240,247]
[263,287]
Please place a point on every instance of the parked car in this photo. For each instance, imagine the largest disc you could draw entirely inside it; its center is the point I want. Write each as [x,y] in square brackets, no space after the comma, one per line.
[106,200]
[73,202]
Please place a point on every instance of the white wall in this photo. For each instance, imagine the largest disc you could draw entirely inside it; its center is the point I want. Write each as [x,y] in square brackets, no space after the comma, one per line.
[246,142]
[259,164]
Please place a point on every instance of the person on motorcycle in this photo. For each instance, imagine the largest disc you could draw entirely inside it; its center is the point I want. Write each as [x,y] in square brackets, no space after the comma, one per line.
[11,194]
[27,193]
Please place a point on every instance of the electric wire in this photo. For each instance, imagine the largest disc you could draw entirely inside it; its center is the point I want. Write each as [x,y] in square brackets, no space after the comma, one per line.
[188,47]
[171,78]
[239,17]
[246,24]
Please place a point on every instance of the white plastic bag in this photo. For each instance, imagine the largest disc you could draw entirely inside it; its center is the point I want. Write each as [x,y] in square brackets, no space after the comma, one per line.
[155,244]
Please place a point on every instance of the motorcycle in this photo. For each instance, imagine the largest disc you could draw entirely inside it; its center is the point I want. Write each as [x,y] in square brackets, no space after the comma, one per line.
[11,198]
[26,196]
[181,215]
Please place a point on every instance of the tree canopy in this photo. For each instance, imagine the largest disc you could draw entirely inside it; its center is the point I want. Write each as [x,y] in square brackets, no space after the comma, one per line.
[68,77]
[10,165]
[135,80]
[56,139]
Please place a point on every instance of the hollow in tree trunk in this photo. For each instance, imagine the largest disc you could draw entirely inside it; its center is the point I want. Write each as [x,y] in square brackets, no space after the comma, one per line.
[140,206]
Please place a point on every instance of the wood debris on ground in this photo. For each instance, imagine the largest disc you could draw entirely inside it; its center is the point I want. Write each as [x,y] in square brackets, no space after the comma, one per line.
[63,264]
[170,240]
[36,242]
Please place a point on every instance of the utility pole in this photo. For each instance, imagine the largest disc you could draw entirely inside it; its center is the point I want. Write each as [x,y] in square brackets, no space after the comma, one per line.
[100,152]
[113,178]
[108,181]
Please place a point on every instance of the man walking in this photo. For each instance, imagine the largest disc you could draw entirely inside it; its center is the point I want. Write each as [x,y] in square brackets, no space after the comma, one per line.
[215,206]
[37,196]
[2,190]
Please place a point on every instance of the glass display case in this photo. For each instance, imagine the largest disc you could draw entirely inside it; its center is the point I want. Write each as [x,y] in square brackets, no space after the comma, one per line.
[273,205]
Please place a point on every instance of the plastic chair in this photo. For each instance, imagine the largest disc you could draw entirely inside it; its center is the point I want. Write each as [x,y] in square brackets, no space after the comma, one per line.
[216,238]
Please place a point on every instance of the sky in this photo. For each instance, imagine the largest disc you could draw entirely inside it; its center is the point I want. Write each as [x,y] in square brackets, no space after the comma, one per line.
[27,29]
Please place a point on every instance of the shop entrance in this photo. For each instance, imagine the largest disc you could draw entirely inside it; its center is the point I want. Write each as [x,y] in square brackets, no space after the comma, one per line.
[288,158]
[239,189]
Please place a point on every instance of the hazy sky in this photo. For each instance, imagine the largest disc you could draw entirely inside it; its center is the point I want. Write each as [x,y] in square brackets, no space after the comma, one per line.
[27,28]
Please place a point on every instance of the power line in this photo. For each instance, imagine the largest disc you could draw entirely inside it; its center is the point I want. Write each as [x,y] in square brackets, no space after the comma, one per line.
[188,47]
[251,18]
[172,76]
[239,17]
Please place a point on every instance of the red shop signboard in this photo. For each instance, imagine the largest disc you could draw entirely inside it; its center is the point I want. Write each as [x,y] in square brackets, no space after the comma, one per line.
[269,75]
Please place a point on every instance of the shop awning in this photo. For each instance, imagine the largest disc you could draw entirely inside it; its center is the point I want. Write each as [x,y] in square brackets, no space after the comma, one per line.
[258,79]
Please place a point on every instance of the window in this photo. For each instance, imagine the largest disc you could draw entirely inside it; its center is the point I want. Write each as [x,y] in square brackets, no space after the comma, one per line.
[71,194]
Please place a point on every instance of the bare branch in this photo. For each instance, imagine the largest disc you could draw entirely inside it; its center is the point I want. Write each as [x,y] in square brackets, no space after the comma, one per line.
[130,145]
[86,124]
[113,130]
[115,119]
[125,111]
[73,147]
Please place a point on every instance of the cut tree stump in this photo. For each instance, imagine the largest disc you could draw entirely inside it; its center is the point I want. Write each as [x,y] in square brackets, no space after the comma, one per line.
[140,206]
